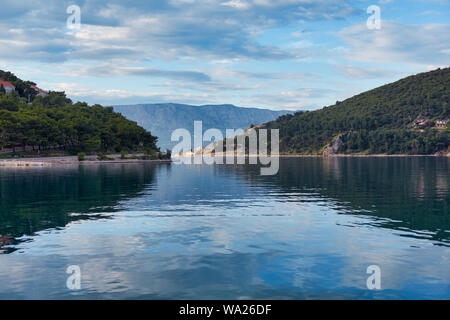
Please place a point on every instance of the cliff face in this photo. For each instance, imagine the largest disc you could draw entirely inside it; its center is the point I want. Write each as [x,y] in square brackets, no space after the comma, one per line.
[334,147]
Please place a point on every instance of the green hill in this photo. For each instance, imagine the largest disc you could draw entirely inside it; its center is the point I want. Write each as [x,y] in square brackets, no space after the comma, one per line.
[380,121]
[53,122]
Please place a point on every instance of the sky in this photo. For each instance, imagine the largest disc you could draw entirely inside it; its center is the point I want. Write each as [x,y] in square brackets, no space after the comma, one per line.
[281,55]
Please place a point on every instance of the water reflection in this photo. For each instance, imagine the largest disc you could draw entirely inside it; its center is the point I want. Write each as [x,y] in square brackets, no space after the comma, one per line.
[405,194]
[36,199]
[199,232]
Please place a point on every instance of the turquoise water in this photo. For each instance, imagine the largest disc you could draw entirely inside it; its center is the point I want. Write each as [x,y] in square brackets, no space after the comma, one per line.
[167,231]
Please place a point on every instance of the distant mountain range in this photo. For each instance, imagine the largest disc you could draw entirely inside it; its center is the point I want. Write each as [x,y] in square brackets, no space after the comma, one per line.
[162,119]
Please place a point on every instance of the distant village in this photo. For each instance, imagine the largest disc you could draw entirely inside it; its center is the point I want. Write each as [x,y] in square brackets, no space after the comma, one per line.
[9,87]
[422,122]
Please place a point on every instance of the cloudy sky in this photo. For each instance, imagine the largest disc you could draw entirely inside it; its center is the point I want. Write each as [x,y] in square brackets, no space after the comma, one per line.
[278,54]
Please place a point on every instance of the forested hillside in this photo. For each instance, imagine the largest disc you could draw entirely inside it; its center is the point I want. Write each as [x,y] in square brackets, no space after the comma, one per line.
[54,122]
[398,118]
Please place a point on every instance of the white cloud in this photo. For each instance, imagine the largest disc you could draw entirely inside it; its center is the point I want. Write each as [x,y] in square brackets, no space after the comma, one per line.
[211,29]
[236,4]
[354,72]
[397,42]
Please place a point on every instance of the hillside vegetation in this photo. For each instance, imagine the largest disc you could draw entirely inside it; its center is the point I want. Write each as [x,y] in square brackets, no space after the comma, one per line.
[380,121]
[53,122]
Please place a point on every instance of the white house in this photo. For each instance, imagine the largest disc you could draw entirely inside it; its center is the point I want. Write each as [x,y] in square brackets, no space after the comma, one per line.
[442,123]
[9,87]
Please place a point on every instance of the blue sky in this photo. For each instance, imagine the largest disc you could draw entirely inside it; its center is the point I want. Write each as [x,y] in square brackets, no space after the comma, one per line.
[286,54]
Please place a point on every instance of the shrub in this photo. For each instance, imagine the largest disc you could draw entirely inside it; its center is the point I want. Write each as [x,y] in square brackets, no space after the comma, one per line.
[101,157]
[149,152]
[81,156]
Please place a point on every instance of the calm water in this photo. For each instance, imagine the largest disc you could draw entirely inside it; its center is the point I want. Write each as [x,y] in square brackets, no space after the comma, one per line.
[144,231]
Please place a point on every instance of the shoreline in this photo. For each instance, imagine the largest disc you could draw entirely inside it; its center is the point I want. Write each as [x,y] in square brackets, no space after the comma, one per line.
[73,160]
[364,156]
[70,160]
[341,155]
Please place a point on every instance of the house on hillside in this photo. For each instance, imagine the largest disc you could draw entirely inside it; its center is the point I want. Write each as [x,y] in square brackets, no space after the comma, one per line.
[39,91]
[420,121]
[442,123]
[9,87]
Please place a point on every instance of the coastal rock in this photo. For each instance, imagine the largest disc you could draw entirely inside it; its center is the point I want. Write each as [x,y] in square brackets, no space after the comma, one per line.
[442,154]
[333,147]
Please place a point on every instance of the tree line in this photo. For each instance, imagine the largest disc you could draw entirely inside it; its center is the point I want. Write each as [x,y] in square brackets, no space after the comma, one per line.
[55,122]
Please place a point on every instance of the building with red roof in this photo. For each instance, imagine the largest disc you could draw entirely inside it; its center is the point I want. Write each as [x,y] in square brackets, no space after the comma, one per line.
[9,87]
